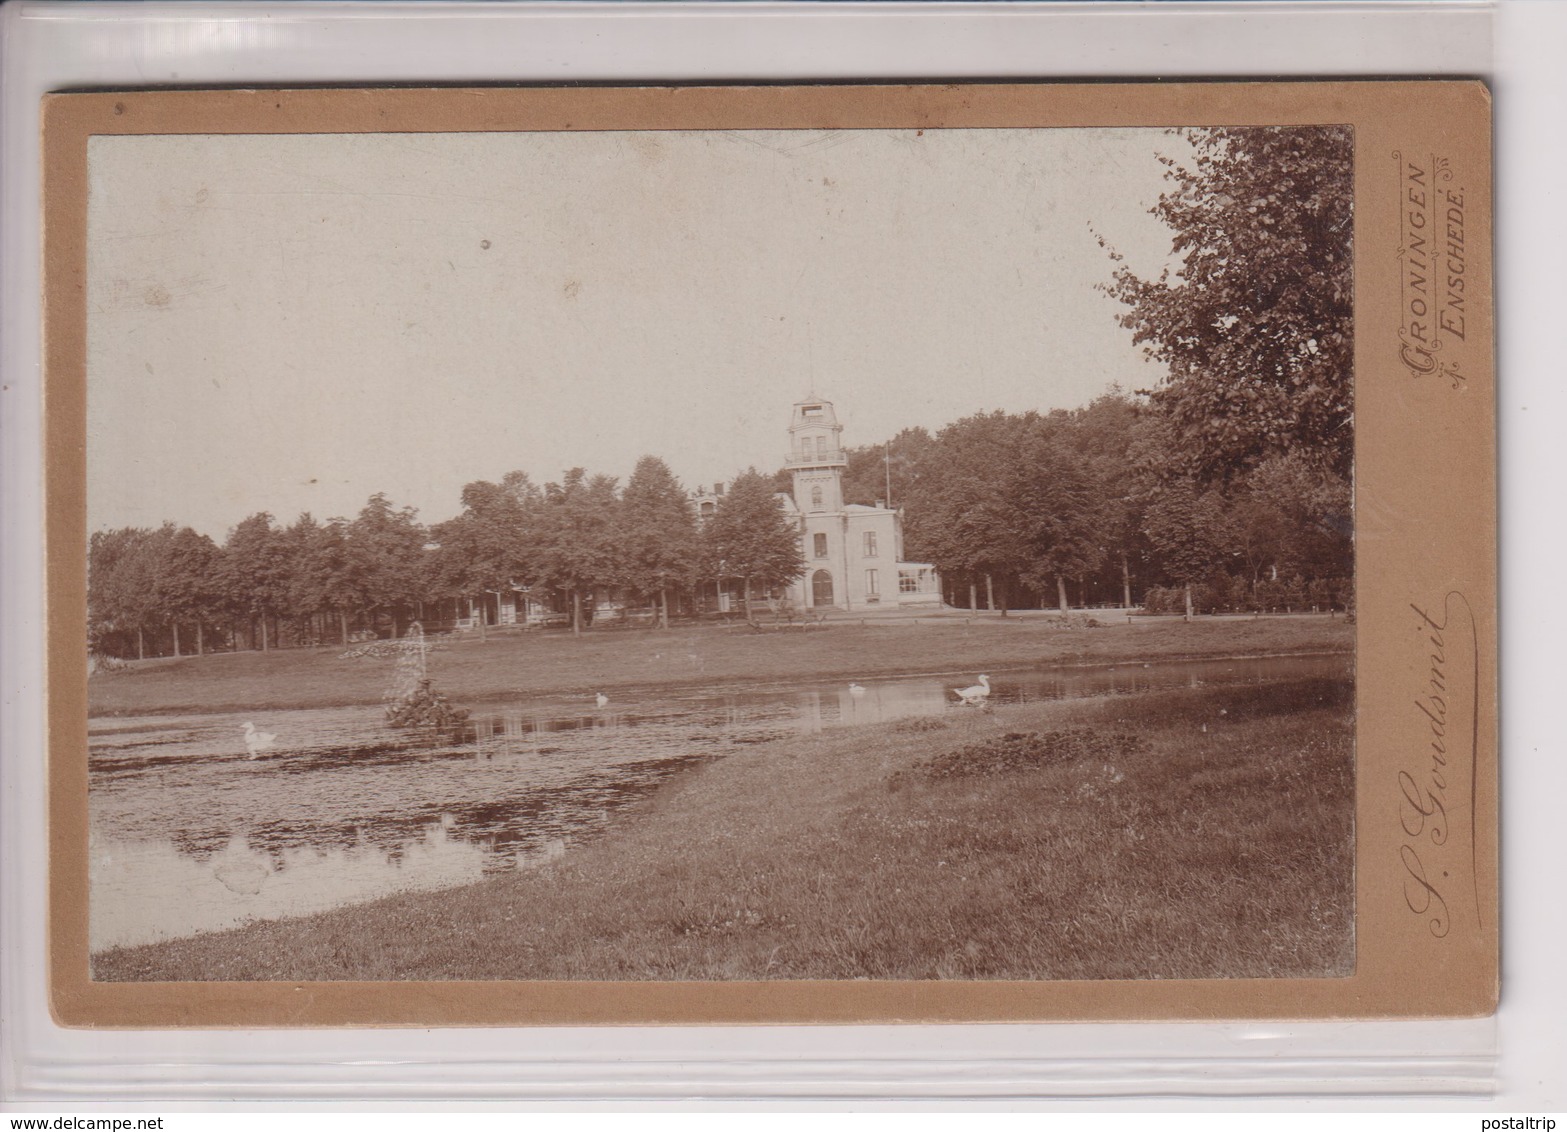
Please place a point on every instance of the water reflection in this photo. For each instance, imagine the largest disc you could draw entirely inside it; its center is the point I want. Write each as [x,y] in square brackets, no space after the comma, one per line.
[144,890]
[189,834]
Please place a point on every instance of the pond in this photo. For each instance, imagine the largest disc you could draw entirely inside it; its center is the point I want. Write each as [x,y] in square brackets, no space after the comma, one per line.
[190,834]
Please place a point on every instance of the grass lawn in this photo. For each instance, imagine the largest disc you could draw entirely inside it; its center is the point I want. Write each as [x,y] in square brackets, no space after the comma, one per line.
[1199,833]
[541,663]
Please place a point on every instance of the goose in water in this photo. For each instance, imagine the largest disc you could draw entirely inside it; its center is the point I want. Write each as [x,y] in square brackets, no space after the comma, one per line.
[601,699]
[856,689]
[258,741]
[976,694]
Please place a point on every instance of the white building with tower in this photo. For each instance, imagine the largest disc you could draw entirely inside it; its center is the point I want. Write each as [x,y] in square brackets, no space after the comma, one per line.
[853,553]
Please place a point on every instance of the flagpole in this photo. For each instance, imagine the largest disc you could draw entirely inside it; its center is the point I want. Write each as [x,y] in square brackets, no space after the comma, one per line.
[886,459]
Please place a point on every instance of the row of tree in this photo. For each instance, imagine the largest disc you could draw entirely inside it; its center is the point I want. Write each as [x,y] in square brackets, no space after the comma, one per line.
[165,590]
[1231,478]
[1088,507]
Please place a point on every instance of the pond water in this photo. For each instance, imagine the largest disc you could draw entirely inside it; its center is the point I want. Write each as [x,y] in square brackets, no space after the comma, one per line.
[189,834]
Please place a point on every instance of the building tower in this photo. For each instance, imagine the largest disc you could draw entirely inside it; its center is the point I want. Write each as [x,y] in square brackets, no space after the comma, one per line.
[816,457]
[852,552]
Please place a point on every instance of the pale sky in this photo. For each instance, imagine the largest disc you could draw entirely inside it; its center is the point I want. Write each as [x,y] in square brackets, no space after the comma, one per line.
[291,323]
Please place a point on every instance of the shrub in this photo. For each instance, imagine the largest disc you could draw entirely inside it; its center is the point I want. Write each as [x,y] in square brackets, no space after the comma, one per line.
[1164,599]
[1073,621]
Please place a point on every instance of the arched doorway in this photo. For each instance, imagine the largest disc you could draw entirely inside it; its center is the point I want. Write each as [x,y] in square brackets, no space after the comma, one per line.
[821,588]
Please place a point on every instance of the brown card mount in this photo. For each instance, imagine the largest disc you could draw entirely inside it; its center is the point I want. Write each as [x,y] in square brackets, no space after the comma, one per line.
[286,301]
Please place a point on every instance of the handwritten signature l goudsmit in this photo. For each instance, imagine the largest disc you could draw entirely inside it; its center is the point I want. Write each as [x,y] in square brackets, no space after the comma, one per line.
[1447,754]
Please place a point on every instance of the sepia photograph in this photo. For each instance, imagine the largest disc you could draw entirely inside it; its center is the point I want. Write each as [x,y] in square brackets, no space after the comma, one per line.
[721,555]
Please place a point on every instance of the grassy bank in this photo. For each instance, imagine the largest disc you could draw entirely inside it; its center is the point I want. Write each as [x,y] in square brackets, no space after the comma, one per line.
[470,669]
[1192,834]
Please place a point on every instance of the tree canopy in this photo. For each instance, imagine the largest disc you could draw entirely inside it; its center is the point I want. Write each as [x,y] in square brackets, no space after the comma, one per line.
[579,528]
[750,537]
[1256,324]
[658,533]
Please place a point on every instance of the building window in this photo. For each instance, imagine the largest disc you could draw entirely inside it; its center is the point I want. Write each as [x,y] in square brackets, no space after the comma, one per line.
[908,582]
[872,583]
[821,448]
[870,544]
[819,545]
[816,499]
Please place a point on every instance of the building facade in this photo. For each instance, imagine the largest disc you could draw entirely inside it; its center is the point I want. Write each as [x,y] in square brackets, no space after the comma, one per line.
[853,553]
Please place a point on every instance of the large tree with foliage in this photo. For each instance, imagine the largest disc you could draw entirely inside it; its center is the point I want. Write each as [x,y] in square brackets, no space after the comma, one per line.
[186,583]
[966,515]
[253,573]
[484,550]
[1255,325]
[121,590]
[577,543]
[751,538]
[658,533]
[1294,520]
[1103,435]
[1056,497]
[1191,529]
[891,473]
[386,558]
[323,582]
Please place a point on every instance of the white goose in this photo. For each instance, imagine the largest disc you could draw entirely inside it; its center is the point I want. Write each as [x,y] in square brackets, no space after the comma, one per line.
[601,699]
[975,695]
[856,689]
[258,741]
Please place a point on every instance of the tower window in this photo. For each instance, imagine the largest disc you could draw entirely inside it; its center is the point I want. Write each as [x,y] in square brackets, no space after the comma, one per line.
[870,544]
[821,447]
[819,545]
[816,498]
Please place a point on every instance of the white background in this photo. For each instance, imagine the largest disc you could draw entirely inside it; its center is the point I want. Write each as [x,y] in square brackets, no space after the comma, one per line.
[1347,1066]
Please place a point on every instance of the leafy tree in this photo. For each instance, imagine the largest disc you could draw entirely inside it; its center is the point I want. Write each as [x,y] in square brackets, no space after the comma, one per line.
[1103,435]
[658,534]
[578,537]
[458,564]
[1056,499]
[121,600]
[253,572]
[484,549]
[901,462]
[1190,529]
[321,581]
[186,583]
[751,537]
[965,515]
[1294,518]
[1256,324]
[386,558]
